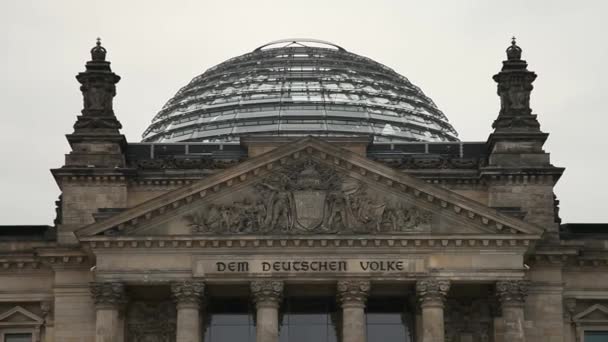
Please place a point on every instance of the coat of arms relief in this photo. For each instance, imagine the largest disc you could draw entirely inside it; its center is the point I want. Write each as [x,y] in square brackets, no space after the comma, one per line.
[310,198]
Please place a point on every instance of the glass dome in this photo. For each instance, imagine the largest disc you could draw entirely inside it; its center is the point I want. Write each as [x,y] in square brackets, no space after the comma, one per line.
[298,87]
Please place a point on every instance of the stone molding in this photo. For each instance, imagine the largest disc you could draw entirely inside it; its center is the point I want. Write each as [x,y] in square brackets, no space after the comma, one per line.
[108,294]
[248,241]
[187,293]
[353,292]
[432,292]
[512,292]
[267,292]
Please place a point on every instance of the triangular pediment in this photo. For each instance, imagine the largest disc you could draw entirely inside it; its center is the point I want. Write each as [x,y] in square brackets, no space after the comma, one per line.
[20,316]
[311,187]
[594,313]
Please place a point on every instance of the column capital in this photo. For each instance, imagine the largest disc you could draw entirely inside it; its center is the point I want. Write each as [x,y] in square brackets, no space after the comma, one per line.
[353,292]
[108,294]
[267,292]
[187,293]
[432,291]
[512,292]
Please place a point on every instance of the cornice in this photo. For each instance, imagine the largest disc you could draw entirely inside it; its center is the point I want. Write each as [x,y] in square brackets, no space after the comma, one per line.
[568,257]
[20,262]
[64,257]
[46,258]
[436,242]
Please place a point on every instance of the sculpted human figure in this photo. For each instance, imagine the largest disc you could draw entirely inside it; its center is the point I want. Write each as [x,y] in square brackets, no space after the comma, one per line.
[97,98]
[280,207]
[338,205]
[368,212]
[518,97]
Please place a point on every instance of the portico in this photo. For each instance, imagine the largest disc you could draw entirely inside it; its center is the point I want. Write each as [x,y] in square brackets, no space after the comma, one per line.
[351,320]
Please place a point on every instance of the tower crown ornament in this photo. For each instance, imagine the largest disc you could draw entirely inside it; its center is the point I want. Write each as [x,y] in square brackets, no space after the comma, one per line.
[513,51]
[98,52]
[514,88]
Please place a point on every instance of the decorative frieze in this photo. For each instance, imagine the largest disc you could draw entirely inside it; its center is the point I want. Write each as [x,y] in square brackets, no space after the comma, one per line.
[353,292]
[432,291]
[512,292]
[187,292]
[110,294]
[267,292]
[309,198]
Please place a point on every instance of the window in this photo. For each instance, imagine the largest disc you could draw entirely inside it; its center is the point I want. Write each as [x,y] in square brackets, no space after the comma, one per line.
[21,337]
[387,320]
[596,336]
[308,319]
[229,320]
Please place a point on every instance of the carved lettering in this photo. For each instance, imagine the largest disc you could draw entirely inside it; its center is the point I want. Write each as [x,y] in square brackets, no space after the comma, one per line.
[382,266]
[232,266]
[205,267]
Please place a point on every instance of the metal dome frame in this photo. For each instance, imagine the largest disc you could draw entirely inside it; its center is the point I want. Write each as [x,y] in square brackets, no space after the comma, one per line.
[298,90]
[299,41]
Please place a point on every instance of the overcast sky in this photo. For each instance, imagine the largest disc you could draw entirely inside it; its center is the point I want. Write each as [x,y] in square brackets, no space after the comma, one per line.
[448,48]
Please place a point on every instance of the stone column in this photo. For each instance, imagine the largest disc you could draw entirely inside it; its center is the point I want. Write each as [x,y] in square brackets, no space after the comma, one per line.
[267,296]
[352,295]
[187,296]
[512,296]
[431,296]
[109,299]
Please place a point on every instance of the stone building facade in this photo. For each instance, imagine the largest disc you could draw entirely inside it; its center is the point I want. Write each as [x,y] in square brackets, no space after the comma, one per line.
[306,237]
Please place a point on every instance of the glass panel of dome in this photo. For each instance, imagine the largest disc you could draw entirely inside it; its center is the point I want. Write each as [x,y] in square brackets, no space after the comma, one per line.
[340,70]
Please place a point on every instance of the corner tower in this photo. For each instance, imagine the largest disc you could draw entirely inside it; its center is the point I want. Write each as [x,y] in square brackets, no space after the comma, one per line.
[519,172]
[93,175]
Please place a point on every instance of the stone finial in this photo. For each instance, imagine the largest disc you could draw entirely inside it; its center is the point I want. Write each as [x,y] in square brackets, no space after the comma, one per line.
[514,86]
[98,87]
[267,292]
[187,292]
[98,52]
[432,291]
[513,51]
[110,294]
[512,292]
[353,292]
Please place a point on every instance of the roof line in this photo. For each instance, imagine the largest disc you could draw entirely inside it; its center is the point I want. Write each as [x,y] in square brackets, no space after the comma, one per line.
[300,40]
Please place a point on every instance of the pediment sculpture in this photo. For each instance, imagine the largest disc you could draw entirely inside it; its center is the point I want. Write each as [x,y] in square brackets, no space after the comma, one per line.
[310,198]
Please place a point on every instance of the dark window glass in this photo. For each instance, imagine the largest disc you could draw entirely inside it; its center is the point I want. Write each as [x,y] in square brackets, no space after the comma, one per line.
[229,320]
[18,337]
[596,336]
[308,319]
[388,320]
